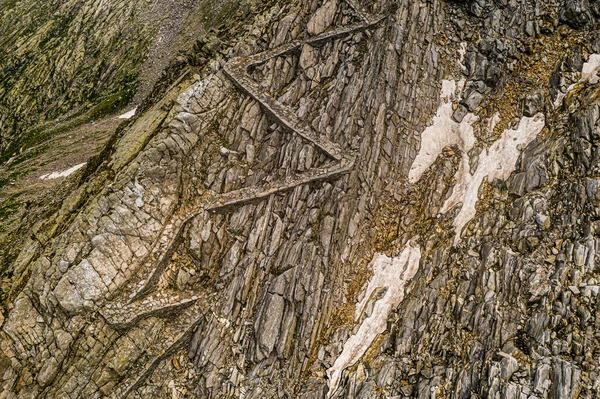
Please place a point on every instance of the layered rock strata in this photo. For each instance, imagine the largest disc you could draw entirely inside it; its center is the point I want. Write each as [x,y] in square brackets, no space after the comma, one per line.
[312,219]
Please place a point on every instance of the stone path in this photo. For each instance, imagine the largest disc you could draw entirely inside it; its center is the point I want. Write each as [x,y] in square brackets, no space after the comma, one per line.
[138,299]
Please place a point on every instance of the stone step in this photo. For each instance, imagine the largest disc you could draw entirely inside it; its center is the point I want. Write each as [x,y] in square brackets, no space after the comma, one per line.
[249,194]
[237,70]
[282,114]
[358,10]
[164,304]
[237,198]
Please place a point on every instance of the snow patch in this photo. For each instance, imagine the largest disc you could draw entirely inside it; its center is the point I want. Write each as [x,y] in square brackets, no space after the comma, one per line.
[388,273]
[128,114]
[444,131]
[64,173]
[497,162]
[222,320]
[494,120]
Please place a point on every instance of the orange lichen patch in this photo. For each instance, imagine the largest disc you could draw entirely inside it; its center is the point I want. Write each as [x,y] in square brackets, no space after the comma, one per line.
[385,230]
[529,72]
[382,237]
[356,280]
[441,38]
[486,193]
[375,349]
[342,315]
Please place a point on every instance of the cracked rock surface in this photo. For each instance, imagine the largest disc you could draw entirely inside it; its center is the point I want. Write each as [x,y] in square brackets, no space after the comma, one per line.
[378,199]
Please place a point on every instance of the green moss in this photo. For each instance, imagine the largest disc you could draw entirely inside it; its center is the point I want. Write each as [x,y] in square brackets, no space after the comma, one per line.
[5,180]
[59,30]
[39,135]
[8,208]
[57,57]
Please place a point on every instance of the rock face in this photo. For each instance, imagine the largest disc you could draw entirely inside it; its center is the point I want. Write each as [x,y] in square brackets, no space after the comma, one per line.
[349,200]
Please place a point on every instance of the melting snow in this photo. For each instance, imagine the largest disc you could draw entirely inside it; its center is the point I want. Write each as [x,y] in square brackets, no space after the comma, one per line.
[64,173]
[561,96]
[494,120]
[497,162]
[391,274]
[128,114]
[443,132]
[224,321]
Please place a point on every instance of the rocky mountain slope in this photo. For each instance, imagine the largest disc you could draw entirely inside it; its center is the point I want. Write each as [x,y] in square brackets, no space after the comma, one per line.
[66,71]
[328,199]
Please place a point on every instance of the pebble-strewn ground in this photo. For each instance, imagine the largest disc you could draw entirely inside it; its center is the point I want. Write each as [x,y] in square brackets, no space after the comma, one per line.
[213,253]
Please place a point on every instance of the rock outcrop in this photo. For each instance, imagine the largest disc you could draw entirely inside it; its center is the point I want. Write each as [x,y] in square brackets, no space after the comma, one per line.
[375,200]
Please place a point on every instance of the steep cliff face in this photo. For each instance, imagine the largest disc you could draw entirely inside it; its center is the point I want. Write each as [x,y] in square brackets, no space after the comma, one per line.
[348,200]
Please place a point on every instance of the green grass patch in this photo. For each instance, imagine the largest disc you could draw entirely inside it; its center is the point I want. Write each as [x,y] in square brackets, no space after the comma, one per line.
[45,132]
[8,208]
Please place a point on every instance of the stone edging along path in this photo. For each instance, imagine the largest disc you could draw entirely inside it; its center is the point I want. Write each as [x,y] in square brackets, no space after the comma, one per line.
[128,313]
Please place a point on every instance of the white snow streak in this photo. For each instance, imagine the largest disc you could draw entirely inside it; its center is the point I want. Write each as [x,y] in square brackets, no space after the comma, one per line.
[128,114]
[561,96]
[443,132]
[64,173]
[462,51]
[497,162]
[391,274]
